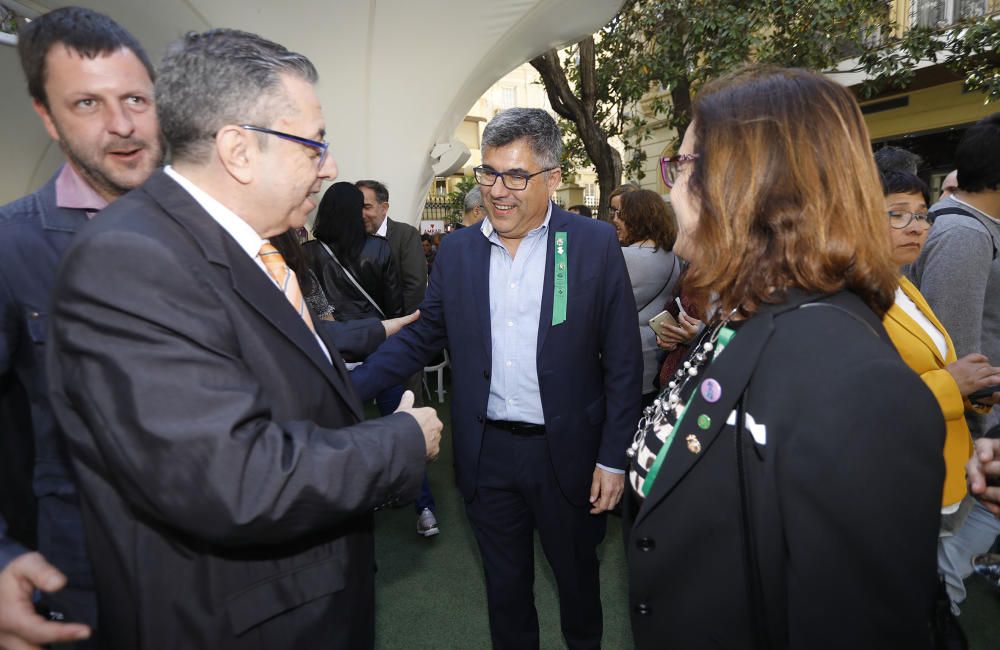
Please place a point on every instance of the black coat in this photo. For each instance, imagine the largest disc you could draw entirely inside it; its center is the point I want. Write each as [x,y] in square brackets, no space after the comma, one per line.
[375,271]
[844,495]
[226,474]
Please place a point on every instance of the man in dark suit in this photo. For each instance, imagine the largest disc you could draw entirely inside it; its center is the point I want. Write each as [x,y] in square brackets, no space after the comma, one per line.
[227,477]
[537,311]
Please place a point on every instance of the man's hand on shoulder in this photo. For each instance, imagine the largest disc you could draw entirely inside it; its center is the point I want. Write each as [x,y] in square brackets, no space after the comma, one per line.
[393,325]
[20,627]
[605,490]
[429,423]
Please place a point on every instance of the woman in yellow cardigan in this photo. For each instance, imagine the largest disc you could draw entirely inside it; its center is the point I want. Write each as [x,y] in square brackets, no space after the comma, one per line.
[922,341]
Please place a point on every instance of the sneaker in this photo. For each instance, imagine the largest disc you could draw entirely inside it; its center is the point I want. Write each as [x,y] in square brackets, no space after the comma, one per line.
[427,523]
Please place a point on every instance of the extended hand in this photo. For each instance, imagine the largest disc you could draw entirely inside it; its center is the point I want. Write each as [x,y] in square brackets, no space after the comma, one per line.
[605,490]
[983,474]
[20,627]
[429,423]
[393,325]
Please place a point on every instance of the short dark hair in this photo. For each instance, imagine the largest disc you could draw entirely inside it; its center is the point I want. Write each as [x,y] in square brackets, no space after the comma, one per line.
[86,32]
[221,77]
[890,158]
[532,124]
[900,182]
[381,191]
[581,209]
[976,156]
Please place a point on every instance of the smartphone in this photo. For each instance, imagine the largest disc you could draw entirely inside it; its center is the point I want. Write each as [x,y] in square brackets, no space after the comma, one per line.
[663,318]
[984,392]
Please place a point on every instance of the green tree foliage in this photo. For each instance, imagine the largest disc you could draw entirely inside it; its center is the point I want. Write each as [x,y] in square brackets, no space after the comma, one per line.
[676,46]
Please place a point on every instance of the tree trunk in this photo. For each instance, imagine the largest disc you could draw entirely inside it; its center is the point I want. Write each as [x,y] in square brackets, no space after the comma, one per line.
[580,110]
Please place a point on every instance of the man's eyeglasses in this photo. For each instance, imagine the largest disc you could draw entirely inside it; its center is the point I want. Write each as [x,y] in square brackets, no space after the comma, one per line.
[511,180]
[322,147]
[899,219]
[670,166]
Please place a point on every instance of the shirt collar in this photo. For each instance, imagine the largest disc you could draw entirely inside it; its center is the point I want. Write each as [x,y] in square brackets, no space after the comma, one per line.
[232,223]
[384,228]
[489,233]
[75,193]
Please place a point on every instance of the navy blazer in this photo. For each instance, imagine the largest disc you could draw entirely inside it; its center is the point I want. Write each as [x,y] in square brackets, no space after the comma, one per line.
[34,233]
[589,367]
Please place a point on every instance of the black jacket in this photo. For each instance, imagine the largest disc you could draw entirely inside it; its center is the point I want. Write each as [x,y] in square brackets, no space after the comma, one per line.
[375,270]
[843,466]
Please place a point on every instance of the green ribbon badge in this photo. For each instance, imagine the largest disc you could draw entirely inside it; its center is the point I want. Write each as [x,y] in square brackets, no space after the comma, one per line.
[560,281]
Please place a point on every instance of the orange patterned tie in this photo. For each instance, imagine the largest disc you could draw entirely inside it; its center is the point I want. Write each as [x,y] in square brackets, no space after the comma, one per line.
[284,277]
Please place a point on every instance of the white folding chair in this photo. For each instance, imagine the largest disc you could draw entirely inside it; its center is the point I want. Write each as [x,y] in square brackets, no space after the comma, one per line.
[439,369]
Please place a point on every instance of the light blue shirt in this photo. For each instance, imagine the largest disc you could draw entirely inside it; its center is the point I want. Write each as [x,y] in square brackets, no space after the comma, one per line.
[516,285]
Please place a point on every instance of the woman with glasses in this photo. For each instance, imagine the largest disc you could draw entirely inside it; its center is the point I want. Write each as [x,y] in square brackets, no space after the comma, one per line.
[646,230]
[924,343]
[773,501]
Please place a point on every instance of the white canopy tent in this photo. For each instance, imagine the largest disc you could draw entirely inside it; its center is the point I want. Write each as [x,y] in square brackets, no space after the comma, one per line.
[396,76]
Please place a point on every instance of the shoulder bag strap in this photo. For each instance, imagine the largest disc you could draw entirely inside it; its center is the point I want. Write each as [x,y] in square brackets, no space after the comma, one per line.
[934,214]
[673,270]
[350,277]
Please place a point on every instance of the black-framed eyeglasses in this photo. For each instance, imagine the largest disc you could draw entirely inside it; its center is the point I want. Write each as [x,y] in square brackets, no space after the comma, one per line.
[322,147]
[613,211]
[511,180]
[900,219]
[670,166]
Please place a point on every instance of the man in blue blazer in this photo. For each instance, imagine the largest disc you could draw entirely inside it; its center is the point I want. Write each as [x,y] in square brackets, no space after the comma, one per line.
[536,309]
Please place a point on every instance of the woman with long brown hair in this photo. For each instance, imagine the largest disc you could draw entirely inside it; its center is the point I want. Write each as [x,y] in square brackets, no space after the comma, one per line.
[646,230]
[774,502]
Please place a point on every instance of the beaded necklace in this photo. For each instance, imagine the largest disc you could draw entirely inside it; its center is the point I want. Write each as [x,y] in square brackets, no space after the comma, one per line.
[663,416]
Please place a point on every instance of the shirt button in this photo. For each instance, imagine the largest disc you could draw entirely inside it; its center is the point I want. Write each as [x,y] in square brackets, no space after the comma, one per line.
[510,363]
[510,323]
[513,285]
[510,401]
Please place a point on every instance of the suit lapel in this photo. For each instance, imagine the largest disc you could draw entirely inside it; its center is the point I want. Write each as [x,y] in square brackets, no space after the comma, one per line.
[478,270]
[906,321]
[732,371]
[245,277]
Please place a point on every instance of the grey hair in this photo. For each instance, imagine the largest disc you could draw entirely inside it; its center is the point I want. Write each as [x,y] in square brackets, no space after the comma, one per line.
[473,199]
[536,125]
[220,77]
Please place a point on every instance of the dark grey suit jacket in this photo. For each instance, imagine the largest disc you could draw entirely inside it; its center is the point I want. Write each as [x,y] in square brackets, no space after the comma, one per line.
[227,479]
[408,253]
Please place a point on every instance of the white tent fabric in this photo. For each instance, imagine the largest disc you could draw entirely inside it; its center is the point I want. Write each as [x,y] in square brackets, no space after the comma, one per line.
[396,76]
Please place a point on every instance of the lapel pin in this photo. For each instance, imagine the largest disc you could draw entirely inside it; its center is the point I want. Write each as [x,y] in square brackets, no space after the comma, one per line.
[711,390]
[694,445]
[704,421]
